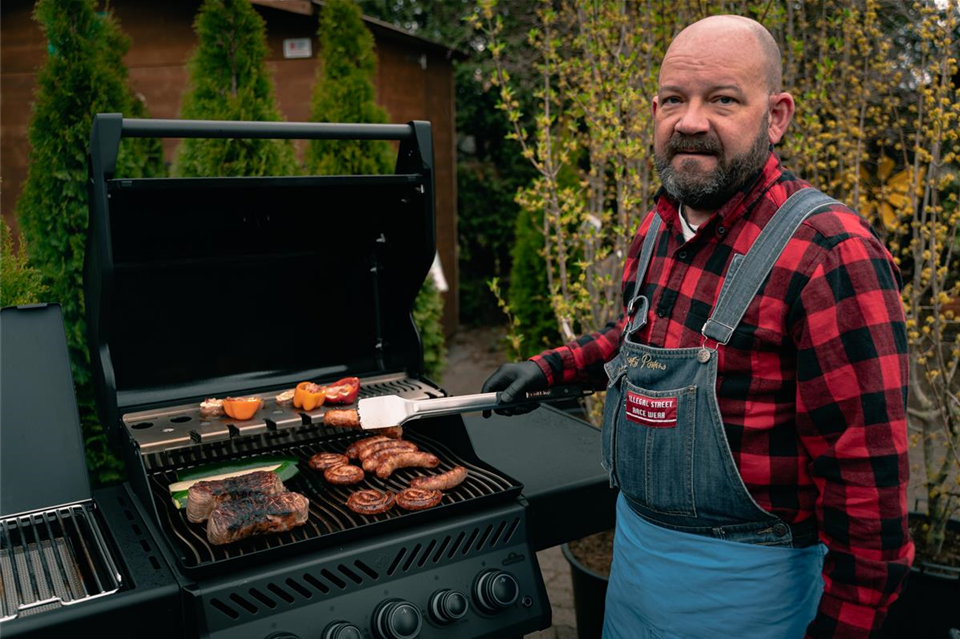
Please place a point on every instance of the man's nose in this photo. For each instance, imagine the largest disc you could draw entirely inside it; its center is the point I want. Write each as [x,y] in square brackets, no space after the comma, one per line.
[694,119]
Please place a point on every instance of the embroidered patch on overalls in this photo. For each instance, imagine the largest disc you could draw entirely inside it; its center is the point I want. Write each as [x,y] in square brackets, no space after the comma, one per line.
[655,412]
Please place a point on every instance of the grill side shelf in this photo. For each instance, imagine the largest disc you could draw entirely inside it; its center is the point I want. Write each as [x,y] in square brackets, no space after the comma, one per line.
[330,522]
[53,558]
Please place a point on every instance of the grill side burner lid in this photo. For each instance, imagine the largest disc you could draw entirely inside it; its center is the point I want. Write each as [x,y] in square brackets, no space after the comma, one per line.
[216,286]
[42,462]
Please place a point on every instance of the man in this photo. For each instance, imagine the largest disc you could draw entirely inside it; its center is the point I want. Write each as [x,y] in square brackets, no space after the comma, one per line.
[755,414]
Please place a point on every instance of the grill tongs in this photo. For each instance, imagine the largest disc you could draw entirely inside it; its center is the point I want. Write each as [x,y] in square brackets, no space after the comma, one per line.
[390,410]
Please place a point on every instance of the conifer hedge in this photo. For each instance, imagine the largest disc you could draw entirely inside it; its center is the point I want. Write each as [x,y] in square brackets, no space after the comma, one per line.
[228,80]
[344,92]
[82,75]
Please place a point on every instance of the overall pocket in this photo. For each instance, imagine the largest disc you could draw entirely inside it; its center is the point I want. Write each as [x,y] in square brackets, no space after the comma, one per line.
[654,447]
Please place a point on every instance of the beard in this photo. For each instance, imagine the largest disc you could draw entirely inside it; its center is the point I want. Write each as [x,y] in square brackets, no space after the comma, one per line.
[709,190]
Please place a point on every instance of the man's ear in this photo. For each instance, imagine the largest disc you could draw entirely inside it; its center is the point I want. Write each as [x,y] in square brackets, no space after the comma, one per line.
[781,112]
[653,105]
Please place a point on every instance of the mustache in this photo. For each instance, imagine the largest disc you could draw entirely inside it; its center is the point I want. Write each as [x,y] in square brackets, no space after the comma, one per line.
[680,143]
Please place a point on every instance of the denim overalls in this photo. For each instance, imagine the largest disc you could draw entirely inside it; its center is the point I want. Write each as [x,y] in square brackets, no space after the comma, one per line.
[695,557]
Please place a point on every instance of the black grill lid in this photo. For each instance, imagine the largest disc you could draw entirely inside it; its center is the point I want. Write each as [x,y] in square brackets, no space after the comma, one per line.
[203,287]
[42,463]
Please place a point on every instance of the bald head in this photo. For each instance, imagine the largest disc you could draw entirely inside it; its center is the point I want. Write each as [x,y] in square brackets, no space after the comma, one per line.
[748,38]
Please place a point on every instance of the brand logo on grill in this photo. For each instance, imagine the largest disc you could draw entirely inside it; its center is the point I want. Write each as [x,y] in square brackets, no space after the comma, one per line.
[654,412]
[513,558]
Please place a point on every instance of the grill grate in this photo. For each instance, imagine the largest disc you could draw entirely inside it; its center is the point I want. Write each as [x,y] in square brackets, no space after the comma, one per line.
[329,516]
[53,558]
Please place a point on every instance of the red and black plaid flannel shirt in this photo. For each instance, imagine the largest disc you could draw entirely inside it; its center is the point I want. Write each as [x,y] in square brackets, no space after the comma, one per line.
[812,386]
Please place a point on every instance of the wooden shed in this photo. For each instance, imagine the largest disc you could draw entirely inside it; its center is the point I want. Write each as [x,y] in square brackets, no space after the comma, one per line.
[414,81]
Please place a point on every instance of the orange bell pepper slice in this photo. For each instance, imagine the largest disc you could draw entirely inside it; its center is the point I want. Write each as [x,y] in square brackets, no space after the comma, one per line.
[308,396]
[241,408]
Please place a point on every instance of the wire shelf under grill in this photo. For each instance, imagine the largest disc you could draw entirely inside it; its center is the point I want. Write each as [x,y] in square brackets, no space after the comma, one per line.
[53,558]
[330,521]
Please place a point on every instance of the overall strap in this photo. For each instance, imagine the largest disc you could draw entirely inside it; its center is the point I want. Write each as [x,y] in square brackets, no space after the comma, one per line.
[637,308]
[741,286]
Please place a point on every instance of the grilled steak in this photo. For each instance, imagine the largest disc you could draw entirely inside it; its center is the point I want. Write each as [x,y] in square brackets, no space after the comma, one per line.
[205,495]
[256,515]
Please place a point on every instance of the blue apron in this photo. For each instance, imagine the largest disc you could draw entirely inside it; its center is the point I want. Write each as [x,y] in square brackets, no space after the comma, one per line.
[695,556]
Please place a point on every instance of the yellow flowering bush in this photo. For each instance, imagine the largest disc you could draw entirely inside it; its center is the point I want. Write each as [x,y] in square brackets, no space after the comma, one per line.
[876,127]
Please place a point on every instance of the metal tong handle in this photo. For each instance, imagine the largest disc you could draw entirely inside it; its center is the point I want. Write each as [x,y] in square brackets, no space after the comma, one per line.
[491,401]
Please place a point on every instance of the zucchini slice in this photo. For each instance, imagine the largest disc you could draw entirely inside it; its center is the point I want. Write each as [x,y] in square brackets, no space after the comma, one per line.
[284,467]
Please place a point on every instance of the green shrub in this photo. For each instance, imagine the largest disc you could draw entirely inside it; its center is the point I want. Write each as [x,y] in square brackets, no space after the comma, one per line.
[20,283]
[528,294]
[82,75]
[229,81]
[344,92]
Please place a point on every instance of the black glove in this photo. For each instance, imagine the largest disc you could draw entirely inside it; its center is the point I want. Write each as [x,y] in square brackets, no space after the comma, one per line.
[514,380]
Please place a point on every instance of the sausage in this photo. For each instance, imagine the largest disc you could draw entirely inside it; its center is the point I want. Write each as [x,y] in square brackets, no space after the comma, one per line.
[406,460]
[376,447]
[418,498]
[443,481]
[370,502]
[373,462]
[323,461]
[343,474]
[354,449]
[341,418]
[393,432]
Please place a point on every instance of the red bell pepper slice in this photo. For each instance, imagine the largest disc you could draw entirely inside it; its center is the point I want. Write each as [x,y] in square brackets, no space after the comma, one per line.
[343,391]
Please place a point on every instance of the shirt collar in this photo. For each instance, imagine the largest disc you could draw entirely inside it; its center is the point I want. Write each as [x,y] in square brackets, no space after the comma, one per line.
[736,207]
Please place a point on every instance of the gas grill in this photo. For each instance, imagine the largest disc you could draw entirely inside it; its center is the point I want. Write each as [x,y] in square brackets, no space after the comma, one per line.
[215,287]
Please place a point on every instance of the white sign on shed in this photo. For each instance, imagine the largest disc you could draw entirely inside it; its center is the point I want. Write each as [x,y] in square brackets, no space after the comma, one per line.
[297,48]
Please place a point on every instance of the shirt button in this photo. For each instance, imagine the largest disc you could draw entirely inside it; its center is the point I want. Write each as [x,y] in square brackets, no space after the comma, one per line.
[661,312]
[682,255]
[721,230]
[780,530]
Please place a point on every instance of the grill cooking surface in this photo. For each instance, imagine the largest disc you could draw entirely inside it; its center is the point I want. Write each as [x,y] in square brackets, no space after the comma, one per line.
[330,521]
[53,558]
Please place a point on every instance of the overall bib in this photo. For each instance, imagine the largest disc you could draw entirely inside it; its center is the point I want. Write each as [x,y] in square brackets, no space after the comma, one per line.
[695,557]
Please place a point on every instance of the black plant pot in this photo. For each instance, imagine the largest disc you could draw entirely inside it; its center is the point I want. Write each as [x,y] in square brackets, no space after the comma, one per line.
[589,593]
[929,604]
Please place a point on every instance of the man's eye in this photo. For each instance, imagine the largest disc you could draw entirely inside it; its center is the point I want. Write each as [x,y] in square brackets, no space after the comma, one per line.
[671,100]
[726,100]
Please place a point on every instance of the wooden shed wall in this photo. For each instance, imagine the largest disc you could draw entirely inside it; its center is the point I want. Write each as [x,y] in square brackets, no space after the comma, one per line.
[414,81]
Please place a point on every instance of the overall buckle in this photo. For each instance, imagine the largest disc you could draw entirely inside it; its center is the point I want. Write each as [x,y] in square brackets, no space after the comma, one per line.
[705,352]
[636,310]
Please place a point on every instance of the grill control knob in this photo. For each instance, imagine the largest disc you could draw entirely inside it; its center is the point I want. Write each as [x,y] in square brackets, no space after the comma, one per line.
[342,630]
[446,606]
[397,619]
[496,590]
